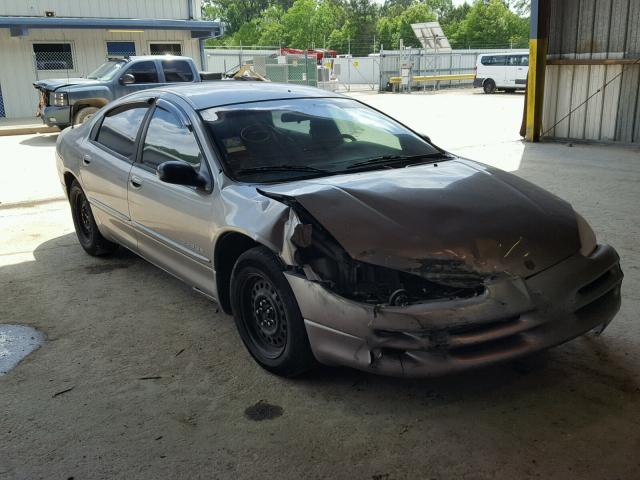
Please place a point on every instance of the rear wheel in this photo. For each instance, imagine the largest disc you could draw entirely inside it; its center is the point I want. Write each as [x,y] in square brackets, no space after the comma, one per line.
[87,231]
[489,86]
[267,314]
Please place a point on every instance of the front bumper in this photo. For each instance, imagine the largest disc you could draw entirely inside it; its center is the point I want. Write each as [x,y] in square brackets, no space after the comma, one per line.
[56,116]
[513,318]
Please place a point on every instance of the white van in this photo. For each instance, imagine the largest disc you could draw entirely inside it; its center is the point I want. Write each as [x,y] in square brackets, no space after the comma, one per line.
[504,71]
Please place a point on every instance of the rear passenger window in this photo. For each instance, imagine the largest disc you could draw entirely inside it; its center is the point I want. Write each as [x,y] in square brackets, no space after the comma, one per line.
[524,60]
[144,72]
[177,71]
[494,60]
[120,127]
[167,139]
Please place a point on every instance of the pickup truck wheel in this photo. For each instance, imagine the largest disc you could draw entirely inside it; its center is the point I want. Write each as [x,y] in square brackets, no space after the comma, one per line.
[87,231]
[489,86]
[267,314]
[84,114]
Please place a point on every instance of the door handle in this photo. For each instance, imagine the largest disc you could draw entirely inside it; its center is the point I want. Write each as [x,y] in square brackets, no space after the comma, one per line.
[86,159]
[136,182]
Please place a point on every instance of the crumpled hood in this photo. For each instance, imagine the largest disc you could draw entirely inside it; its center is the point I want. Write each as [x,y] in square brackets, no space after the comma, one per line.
[457,216]
[55,83]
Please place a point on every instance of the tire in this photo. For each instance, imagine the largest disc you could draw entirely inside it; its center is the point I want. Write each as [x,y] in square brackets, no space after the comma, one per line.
[84,114]
[267,315]
[87,231]
[489,86]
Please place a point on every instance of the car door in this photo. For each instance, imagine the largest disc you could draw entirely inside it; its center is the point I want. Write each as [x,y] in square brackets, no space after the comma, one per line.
[509,70]
[522,69]
[174,223]
[106,163]
[145,74]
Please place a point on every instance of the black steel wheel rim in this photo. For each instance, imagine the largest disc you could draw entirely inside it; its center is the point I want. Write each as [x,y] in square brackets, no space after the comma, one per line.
[84,216]
[264,316]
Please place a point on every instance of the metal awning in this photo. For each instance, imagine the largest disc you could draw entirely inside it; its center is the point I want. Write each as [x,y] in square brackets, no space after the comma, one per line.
[20,26]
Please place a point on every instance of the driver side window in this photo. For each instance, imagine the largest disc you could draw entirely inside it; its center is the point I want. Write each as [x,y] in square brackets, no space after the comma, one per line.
[144,72]
[167,139]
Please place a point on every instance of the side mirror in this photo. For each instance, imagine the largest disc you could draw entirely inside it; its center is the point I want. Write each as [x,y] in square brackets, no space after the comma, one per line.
[180,173]
[425,137]
[127,79]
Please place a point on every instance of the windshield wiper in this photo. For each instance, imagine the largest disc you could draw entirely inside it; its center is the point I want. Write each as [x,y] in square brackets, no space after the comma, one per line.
[398,158]
[283,168]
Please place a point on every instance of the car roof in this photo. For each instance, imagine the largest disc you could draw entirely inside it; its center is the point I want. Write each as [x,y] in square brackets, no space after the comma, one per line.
[217,93]
[159,57]
[516,52]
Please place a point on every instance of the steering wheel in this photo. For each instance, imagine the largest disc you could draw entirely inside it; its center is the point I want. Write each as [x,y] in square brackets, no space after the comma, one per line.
[346,136]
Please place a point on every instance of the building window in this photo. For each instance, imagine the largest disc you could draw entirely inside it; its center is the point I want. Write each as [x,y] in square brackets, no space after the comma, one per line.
[53,56]
[121,49]
[165,49]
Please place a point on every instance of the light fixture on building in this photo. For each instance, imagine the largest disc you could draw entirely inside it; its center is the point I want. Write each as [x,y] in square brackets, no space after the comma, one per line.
[49,13]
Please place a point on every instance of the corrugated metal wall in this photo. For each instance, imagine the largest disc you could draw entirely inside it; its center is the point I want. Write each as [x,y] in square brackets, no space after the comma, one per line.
[176,9]
[89,51]
[593,30]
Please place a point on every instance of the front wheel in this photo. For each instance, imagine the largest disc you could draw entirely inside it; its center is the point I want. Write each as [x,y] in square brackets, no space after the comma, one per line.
[267,314]
[87,231]
[85,114]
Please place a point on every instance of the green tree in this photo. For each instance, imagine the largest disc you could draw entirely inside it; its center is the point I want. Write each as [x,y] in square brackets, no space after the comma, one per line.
[490,25]
[390,29]
[451,21]
[234,13]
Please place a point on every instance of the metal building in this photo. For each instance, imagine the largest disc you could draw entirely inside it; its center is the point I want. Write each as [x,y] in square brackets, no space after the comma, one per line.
[584,74]
[70,38]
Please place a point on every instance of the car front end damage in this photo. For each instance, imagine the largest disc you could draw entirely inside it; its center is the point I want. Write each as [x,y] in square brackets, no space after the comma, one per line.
[53,107]
[451,309]
[512,317]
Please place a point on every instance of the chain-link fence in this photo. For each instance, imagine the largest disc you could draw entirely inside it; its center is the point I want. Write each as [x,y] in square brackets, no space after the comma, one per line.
[373,72]
[301,69]
[2,112]
[229,60]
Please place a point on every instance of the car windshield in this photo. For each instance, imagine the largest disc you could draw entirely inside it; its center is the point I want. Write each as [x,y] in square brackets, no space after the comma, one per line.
[107,70]
[288,139]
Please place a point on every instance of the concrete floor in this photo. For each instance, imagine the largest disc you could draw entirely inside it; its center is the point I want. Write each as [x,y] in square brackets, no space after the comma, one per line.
[140,377]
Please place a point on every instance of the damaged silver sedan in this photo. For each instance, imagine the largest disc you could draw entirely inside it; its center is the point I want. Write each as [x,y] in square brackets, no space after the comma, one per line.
[333,233]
